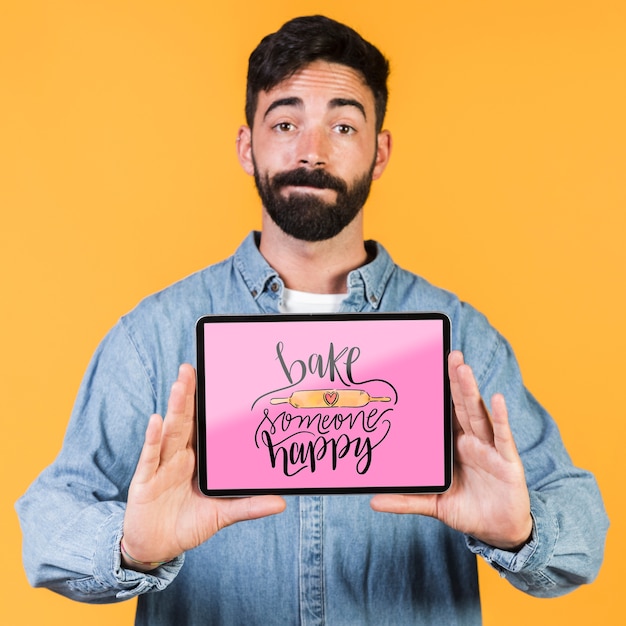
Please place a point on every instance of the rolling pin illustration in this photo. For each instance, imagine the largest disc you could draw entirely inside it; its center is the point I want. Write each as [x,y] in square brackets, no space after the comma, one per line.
[322,398]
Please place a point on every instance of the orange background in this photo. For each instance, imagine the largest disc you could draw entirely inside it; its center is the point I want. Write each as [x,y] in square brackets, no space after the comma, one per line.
[118,176]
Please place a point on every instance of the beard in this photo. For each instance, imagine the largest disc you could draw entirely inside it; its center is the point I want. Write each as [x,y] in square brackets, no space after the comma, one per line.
[306,216]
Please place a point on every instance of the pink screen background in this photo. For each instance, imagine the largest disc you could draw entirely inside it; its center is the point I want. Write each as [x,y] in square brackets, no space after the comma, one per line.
[242,366]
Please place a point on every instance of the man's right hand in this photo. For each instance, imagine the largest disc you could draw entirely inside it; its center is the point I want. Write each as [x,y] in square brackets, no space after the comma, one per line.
[166,513]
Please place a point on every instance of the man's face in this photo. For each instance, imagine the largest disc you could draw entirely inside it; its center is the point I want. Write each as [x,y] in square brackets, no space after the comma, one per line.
[314,150]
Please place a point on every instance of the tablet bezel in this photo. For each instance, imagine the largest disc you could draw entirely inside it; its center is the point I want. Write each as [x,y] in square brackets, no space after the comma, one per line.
[201,442]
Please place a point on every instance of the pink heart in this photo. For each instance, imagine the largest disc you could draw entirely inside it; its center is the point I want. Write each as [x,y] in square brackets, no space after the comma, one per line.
[331,397]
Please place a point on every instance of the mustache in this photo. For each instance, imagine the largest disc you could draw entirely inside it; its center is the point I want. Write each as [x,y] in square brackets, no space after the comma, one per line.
[302,177]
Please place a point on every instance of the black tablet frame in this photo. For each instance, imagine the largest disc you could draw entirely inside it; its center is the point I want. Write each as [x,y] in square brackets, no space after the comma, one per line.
[333,317]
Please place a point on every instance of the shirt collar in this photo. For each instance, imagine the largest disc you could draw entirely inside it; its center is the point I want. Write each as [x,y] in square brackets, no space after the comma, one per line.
[364,283]
[371,279]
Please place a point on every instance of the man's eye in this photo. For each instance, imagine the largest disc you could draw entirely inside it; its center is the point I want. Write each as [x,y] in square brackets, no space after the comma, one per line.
[284,127]
[344,129]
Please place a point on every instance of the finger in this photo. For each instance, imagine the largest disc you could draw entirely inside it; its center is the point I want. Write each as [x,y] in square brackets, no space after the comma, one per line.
[474,409]
[150,456]
[470,410]
[261,506]
[188,373]
[242,509]
[178,424]
[404,504]
[457,429]
[455,360]
[502,435]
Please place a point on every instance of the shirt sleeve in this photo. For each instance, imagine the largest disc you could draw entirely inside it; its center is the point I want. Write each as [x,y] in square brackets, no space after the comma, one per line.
[569,520]
[72,515]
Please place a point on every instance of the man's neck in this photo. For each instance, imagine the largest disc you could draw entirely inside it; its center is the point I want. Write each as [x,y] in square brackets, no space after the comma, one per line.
[314,266]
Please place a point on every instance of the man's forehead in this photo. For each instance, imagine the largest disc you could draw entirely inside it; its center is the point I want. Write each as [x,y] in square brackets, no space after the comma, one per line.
[323,77]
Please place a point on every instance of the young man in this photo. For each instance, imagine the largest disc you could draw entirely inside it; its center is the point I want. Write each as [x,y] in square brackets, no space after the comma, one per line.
[119,515]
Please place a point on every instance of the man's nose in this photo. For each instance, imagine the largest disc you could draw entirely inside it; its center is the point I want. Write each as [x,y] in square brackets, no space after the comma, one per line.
[313,148]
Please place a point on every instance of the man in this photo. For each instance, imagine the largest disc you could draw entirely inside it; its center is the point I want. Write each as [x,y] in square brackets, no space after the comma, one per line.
[113,518]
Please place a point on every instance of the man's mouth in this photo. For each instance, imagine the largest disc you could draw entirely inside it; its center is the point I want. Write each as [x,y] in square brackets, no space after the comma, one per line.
[306,188]
[303,190]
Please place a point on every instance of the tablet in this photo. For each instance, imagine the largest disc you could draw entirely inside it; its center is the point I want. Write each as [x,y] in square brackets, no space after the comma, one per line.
[323,404]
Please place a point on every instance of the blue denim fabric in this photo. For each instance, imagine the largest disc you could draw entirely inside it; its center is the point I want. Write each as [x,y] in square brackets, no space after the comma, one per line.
[325,560]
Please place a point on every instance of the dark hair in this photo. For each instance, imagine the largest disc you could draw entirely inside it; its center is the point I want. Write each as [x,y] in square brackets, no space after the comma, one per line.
[303,40]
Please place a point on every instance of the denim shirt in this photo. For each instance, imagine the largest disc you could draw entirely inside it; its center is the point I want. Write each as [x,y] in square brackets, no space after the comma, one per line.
[326,559]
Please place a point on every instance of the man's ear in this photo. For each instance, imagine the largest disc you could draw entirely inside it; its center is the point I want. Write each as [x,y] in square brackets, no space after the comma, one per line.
[383,153]
[244,149]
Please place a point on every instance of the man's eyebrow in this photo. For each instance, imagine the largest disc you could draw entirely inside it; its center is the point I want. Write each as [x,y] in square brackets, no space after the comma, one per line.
[283,102]
[294,101]
[347,102]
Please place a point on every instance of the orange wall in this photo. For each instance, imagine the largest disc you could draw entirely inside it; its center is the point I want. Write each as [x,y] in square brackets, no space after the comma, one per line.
[507,185]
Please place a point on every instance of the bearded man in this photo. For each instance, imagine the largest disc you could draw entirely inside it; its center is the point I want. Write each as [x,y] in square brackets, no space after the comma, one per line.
[119,513]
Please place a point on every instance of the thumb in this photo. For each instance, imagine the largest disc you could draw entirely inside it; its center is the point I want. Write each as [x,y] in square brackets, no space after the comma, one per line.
[398,503]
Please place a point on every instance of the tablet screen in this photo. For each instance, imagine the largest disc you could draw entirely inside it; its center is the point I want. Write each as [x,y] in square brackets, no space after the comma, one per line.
[341,403]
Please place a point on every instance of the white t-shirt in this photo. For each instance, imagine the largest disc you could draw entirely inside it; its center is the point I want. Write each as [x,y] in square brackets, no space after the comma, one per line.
[303,302]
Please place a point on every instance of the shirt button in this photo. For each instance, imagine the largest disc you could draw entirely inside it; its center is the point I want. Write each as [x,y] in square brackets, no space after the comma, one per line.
[274,287]
[253,292]
[373,299]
